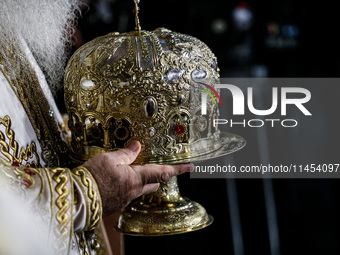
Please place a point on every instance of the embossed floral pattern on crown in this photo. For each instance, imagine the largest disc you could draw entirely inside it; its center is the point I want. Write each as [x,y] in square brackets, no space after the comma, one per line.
[123,87]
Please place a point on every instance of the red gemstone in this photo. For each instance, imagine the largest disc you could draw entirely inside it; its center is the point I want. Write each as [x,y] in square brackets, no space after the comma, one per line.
[179,129]
[15,163]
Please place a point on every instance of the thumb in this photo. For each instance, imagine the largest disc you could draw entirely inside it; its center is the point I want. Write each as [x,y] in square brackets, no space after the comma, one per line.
[128,154]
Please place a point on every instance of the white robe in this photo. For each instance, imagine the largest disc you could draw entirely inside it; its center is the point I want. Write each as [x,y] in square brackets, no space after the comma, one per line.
[38,194]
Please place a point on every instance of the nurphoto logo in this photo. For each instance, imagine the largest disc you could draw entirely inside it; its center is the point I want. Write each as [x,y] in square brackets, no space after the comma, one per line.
[301,97]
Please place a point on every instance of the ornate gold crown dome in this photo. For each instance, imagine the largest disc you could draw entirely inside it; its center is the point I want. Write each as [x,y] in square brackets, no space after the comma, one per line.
[142,86]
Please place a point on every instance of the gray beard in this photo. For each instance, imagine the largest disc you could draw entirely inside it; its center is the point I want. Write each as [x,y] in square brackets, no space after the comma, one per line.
[46,26]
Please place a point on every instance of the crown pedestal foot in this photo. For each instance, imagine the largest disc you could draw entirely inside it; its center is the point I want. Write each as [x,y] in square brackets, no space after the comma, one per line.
[164,212]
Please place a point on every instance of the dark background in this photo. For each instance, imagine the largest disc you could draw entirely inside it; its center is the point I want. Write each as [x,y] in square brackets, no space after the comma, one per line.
[252,39]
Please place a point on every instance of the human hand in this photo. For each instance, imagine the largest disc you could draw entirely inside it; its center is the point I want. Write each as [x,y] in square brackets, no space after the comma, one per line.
[119,182]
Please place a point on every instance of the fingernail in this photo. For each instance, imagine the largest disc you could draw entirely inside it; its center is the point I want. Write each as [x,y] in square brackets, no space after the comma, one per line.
[191,167]
[133,146]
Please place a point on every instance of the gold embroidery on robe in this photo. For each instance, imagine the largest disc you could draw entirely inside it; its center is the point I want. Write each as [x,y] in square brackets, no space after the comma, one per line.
[25,84]
[92,199]
[63,204]
[18,154]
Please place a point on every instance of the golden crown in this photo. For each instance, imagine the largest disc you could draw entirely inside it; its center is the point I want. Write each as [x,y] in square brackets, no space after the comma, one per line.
[143,86]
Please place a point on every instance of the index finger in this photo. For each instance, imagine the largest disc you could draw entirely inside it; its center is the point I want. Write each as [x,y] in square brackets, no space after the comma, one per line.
[153,173]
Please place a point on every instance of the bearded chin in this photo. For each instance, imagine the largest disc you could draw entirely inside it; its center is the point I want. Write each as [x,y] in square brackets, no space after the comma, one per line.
[46,26]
